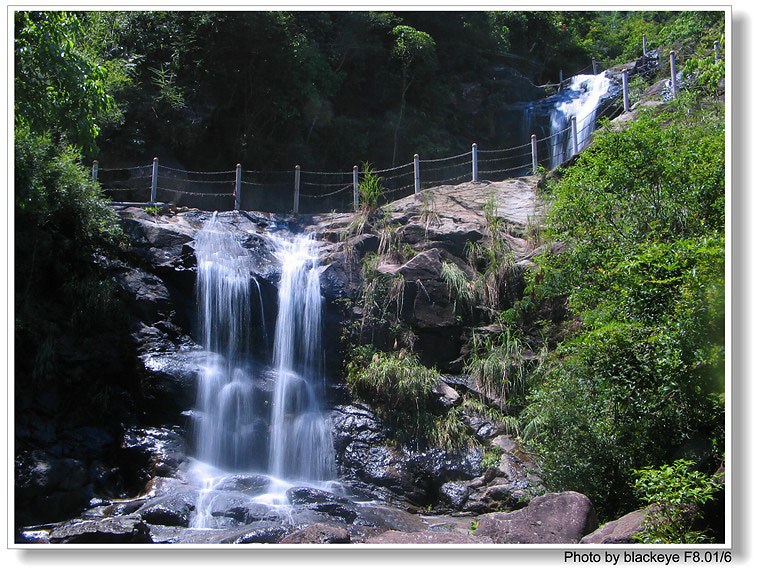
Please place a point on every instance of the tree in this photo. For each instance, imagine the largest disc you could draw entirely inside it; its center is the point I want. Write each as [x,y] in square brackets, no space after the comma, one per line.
[411,47]
[60,88]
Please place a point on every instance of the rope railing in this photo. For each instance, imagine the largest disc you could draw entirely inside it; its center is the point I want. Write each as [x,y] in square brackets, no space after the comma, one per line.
[339,191]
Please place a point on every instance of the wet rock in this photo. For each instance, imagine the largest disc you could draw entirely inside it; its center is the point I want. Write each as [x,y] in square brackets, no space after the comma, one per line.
[240,510]
[454,494]
[318,534]
[161,450]
[262,535]
[129,529]
[158,242]
[310,495]
[248,483]
[146,295]
[175,509]
[554,518]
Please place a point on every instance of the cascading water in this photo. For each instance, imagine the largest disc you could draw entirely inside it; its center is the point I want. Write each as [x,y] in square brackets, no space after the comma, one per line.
[580,100]
[229,426]
[237,432]
[301,443]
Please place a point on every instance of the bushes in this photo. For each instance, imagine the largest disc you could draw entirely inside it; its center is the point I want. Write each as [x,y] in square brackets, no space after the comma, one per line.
[676,493]
[641,382]
[62,299]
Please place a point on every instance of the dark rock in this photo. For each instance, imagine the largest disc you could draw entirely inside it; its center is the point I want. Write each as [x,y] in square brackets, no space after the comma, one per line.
[175,509]
[169,377]
[261,535]
[427,537]
[146,295]
[130,529]
[161,450]
[454,494]
[353,423]
[554,518]
[388,518]
[321,501]
[318,534]
[310,495]
[246,483]
[49,487]
[620,531]
[240,510]
[364,243]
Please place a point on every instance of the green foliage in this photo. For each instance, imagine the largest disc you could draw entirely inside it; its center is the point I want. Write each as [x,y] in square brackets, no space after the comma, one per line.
[641,215]
[394,380]
[62,299]
[370,189]
[491,458]
[499,367]
[401,391]
[674,494]
[707,73]
[397,385]
[411,45]
[60,87]
[54,193]
[461,288]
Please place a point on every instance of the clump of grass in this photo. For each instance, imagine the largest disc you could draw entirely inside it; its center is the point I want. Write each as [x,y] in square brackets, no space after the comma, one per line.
[499,368]
[400,389]
[462,289]
[450,432]
[370,189]
[391,380]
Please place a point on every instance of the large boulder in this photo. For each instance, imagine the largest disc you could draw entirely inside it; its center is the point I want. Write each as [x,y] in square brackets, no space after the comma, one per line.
[318,533]
[115,530]
[554,518]
[619,531]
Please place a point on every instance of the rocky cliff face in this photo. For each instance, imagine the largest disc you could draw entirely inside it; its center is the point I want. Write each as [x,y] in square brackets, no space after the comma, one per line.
[132,486]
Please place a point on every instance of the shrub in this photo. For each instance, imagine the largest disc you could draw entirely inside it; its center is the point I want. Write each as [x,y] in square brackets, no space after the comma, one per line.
[674,494]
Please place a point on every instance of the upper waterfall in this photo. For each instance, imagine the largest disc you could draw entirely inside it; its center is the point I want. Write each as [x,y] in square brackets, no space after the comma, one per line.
[580,99]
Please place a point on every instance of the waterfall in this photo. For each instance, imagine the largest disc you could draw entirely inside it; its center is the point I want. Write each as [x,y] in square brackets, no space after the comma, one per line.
[228,429]
[256,418]
[580,100]
[301,445]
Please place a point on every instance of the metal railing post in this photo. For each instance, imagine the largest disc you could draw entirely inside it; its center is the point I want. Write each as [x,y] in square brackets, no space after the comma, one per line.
[574,133]
[593,66]
[238,184]
[154,181]
[644,43]
[673,84]
[356,187]
[626,103]
[716,50]
[534,153]
[416,173]
[94,169]
[474,162]
[297,189]
[561,79]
